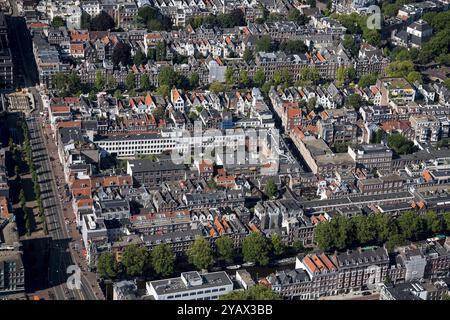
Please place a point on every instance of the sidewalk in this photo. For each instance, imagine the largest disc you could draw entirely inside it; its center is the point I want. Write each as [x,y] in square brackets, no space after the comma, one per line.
[76,244]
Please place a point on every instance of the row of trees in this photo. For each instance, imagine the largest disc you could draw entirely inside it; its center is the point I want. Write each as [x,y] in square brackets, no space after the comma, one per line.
[137,261]
[153,19]
[267,44]
[378,229]
[225,20]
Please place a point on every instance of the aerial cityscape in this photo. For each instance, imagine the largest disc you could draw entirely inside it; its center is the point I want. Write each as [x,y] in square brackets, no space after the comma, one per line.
[224,150]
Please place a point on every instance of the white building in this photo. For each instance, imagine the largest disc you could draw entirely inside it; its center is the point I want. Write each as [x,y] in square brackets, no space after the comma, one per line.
[191,286]
[130,145]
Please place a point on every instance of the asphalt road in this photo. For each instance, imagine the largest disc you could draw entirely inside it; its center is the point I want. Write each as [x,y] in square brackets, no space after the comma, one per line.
[61,256]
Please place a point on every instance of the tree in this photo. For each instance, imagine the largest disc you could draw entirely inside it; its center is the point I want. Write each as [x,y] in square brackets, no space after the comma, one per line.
[145,82]
[309,75]
[163,258]
[293,47]
[366,231]
[399,68]
[344,232]
[298,246]
[118,94]
[159,113]
[167,77]
[411,225]
[121,54]
[367,80]
[400,144]
[247,55]
[225,248]
[350,73]
[99,82]
[354,100]
[379,136]
[350,44]
[264,44]
[216,87]
[229,76]
[45,228]
[130,81]
[112,84]
[58,22]
[60,81]
[107,265]
[277,245]
[85,20]
[160,51]
[28,222]
[282,77]
[199,253]
[257,292]
[311,104]
[432,222]
[255,248]
[101,22]
[259,77]
[271,189]
[390,9]
[163,90]
[73,82]
[135,260]
[414,76]
[139,58]
[22,199]
[244,80]
[147,13]
[446,217]
[447,83]
[297,17]
[194,80]
[444,58]
[17,171]
[340,76]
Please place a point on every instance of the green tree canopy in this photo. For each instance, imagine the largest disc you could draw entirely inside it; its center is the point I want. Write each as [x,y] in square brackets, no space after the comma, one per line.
[199,253]
[277,245]
[101,22]
[293,47]
[247,55]
[168,77]
[271,189]
[216,87]
[225,248]
[58,22]
[257,292]
[400,144]
[130,81]
[162,258]
[264,44]
[121,54]
[411,225]
[107,265]
[99,82]
[354,101]
[255,248]
[135,260]
[259,77]
[367,80]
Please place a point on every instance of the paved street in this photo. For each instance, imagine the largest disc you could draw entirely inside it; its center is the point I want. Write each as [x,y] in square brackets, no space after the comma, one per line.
[62,255]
